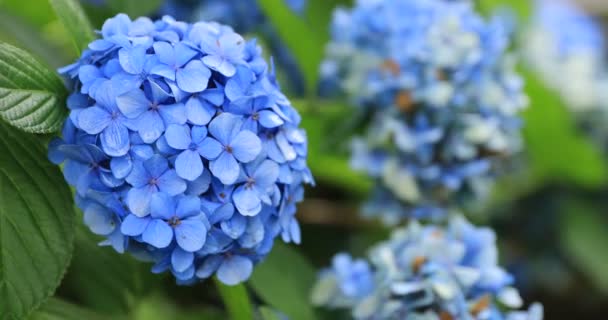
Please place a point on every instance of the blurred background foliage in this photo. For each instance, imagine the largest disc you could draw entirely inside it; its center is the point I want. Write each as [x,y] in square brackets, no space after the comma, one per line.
[550,214]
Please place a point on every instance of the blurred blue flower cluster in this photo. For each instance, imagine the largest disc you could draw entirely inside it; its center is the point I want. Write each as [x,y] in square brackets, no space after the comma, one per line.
[181,147]
[425,273]
[564,40]
[245,16]
[441,94]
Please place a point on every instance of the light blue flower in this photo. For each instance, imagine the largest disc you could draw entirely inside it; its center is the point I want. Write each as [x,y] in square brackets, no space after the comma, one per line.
[164,149]
[441,100]
[428,272]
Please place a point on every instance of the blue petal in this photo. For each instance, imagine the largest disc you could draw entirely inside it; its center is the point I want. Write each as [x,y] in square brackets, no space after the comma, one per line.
[170,183]
[165,53]
[181,260]
[139,176]
[246,146]
[178,137]
[156,166]
[247,201]
[164,71]
[132,59]
[133,225]
[266,174]
[173,113]
[225,168]
[235,226]
[198,134]
[234,270]
[269,119]
[209,266]
[133,103]
[223,212]
[286,148]
[138,200]
[123,82]
[183,54]
[200,185]
[199,113]
[93,120]
[158,233]
[194,77]
[188,206]
[121,166]
[210,148]
[254,234]
[150,126]
[162,206]
[224,127]
[189,165]
[220,65]
[115,140]
[191,234]
[99,219]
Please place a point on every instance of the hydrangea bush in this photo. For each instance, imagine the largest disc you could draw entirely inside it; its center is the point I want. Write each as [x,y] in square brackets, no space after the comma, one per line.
[181,147]
[425,273]
[564,40]
[442,95]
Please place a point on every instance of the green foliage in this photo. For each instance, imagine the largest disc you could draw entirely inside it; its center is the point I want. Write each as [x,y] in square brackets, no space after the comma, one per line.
[158,306]
[268,314]
[523,8]
[284,281]
[104,280]
[299,36]
[75,22]
[31,96]
[135,8]
[584,238]
[57,309]
[36,224]
[557,150]
[236,300]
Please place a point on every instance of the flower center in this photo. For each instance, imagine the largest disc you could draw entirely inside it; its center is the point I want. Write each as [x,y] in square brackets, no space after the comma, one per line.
[222,195]
[228,149]
[153,181]
[250,182]
[154,106]
[255,116]
[174,222]
[193,146]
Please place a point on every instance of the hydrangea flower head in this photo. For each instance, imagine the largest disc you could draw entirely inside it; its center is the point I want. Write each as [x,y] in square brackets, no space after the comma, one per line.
[565,46]
[441,94]
[182,148]
[425,273]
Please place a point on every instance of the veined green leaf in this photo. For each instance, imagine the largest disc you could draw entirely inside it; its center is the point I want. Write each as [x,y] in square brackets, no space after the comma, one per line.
[284,281]
[236,300]
[32,98]
[73,18]
[36,224]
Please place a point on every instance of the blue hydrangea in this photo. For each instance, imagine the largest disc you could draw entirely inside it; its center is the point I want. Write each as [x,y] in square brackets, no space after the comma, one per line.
[427,272]
[565,46]
[245,16]
[441,94]
[181,147]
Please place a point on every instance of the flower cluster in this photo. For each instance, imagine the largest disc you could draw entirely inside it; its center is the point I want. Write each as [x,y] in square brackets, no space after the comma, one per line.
[245,16]
[564,40]
[425,273]
[442,96]
[181,147]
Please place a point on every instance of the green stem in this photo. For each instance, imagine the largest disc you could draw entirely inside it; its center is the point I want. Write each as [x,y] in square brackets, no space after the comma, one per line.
[236,300]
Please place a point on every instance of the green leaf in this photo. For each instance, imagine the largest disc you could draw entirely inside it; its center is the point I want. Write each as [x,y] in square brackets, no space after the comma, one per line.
[268,313]
[32,98]
[523,8]
[557,150]
[135,8]
[236,300]
[299,36]
[584,235]
[157,306]
[36,224]
[114,288]
[284,281]
[75,21]
[57,309]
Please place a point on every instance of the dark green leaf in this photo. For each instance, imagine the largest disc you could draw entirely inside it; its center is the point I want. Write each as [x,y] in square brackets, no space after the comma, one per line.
[74,20]
[36,224]
[299,36]
[57,309]
[584,237]
[135,8]
[284,281]
[236,301]
[159,307]
[268,314]
[103,279]
[32,98]
[556,148]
